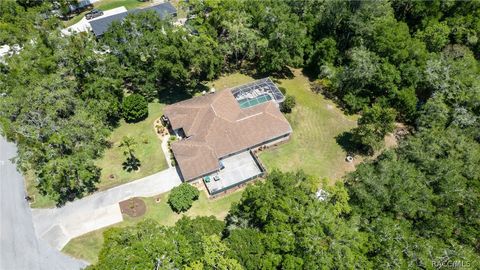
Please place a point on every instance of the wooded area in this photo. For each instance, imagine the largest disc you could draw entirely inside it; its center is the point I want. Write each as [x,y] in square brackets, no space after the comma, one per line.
[415,62]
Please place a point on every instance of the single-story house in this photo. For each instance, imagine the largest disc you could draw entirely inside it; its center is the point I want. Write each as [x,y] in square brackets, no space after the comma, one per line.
[100,26]
[218,130]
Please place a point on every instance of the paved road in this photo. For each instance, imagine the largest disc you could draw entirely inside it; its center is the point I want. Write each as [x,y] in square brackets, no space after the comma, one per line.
[58,225]
[19,247]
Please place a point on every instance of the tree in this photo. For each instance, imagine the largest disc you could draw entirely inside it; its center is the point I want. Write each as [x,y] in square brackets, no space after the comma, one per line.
[159,60]
[281,223]
[214,252]
[288,104]
[132,163]
[325,52]
[373,125]
[435,36]
[189,242]
[182,197]
[135,108]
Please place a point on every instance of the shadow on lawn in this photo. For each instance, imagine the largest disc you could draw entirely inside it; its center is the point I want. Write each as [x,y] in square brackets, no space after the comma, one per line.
[172,95]
[349,144]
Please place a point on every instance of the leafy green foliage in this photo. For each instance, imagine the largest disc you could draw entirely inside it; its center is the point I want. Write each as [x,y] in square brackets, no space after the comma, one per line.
[435,36]
[409,209]
[150,245]
[18,24]
[396,217]
[60,129]
[288,104]
[325,52]
[162,61]
[264,33]
[214,256]
[182,197]
[374,124]
[281,223]
[135,108]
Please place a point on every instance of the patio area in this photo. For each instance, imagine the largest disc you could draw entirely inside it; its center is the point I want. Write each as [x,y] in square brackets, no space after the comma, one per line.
[237,169]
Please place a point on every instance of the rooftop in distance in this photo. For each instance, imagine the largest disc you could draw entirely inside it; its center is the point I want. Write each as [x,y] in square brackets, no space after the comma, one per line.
[100,26]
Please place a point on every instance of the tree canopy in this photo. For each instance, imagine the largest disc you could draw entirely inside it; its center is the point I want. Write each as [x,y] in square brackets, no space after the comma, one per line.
[417,62]
[181,198]
[134,108]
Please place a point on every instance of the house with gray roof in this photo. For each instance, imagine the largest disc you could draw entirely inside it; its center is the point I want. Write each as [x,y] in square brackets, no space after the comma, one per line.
[100,26]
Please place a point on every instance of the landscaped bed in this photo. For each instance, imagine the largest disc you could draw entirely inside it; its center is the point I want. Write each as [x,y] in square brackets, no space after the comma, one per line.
[134,207]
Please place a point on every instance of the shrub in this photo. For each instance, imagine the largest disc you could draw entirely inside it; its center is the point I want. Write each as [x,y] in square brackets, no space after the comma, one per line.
[173,162]
[135,108]
[182,197]
[288,104]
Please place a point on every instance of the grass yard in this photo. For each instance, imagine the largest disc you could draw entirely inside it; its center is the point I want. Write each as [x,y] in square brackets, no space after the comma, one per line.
[107,5]
[229,81]
[148,150]
[87,247]
[316,122]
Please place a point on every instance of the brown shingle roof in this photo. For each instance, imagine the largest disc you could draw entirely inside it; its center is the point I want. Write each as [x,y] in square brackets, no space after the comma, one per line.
[216,126]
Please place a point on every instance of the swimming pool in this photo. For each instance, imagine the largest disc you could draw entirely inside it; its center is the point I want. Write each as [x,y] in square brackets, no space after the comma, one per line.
[250,102]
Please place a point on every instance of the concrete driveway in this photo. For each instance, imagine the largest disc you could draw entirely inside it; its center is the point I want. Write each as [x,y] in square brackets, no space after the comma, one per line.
[19,246]
[84,25]
[58,226]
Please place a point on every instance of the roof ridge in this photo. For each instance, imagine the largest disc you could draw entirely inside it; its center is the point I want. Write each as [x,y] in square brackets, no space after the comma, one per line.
[193,142]
[270,103]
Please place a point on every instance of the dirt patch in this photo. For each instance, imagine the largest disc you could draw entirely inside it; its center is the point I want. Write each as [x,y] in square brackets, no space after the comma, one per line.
[134,207]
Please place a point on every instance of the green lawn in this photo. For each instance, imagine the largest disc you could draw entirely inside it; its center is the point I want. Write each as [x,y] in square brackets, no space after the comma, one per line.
[229,81]
[107,5]
[87,247]
[148,150]
[316,122]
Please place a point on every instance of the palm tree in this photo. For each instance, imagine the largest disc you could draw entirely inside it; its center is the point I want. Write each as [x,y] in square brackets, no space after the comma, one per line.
[132,162]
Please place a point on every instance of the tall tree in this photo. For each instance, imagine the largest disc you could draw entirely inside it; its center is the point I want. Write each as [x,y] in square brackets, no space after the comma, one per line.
[373,125]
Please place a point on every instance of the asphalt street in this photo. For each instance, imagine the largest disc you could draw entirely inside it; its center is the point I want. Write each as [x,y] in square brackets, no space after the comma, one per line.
[19,247]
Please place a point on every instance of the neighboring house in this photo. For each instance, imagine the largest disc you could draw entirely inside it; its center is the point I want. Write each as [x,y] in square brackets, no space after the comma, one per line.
[100,26]
[218,130]
[80,6]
